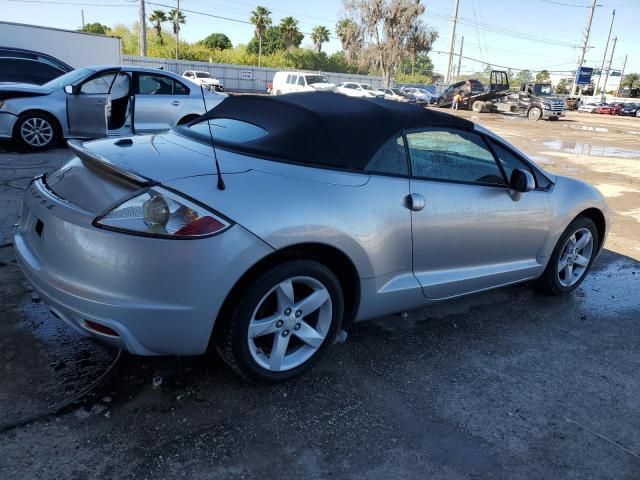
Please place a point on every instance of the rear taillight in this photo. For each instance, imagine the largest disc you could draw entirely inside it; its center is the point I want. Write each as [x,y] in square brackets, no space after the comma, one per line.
[157,212]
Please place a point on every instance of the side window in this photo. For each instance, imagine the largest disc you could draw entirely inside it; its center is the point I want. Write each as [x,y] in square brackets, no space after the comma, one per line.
[289,78]
[152,84]
[390,158]
[301,80]
[510,162]
[179,88]
[449,154]
[100,84]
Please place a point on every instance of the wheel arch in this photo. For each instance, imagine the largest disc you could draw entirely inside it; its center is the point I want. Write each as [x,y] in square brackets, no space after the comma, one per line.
[333,258]
[598,218]
[57,124]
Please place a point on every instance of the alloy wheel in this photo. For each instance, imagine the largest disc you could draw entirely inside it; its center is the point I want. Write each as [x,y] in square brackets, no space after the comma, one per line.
[36,132]
[575,257]
[290,323]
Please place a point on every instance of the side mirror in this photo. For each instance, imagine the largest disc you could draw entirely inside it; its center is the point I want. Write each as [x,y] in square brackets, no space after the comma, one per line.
[69,89]
[521,181]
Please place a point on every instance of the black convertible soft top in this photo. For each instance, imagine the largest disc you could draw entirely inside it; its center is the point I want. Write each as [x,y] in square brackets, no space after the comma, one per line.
[324,128]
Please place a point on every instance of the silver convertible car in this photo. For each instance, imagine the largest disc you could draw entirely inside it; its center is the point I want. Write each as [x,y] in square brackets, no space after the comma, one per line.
[269,223]
[100,101]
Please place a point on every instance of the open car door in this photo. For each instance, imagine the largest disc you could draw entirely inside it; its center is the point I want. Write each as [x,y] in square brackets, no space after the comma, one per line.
[89,105]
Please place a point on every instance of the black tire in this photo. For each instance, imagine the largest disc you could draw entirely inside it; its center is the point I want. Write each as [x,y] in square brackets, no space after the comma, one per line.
[477,106]
[43,119]
[440,102]
[231,340]
[549,282]
[534,114]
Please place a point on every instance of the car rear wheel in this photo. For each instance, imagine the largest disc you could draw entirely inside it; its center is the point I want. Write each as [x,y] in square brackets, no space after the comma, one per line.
[534,114]
[477,106]
[35,131]
[440,102]
[284,323]
[571,259]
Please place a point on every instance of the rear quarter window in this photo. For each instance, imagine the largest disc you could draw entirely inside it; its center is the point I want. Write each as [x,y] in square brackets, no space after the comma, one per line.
[228,130]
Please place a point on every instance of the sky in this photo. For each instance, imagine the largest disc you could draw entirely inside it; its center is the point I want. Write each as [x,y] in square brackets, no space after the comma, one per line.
[533,34]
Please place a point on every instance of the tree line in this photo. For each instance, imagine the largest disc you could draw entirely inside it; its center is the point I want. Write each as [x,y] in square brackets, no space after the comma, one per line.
[383,37]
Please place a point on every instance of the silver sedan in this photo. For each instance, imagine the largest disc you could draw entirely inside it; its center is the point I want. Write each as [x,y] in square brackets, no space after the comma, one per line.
[273,222]
[100,101]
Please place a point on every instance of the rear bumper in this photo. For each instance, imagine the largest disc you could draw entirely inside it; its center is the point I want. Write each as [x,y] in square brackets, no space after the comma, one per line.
[7,122]
[160,296]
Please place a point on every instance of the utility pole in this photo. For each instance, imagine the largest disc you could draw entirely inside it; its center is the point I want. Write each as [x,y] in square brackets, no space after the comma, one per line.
[143,29]
[460,57]
[453,37]
[604,87]
[606,48]
[587,32]
[82,12]
[177,24]
[624,66]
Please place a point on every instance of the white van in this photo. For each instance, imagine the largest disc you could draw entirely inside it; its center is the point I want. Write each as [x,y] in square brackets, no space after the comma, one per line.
[289,82]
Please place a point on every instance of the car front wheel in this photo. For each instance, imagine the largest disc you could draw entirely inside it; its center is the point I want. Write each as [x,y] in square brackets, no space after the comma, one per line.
[35,131]
[571,259]
[284,323]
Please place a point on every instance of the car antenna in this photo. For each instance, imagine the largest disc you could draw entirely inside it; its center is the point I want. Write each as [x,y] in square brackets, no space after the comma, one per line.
[221,185]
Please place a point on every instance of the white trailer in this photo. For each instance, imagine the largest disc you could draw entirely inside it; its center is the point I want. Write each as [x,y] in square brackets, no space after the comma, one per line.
[77,49]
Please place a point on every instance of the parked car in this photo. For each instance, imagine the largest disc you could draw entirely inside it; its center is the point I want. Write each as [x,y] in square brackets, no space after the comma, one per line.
[629,109]
[468,87]
[361,90]
[419,95]
[290,82]
[395,94]
[609,109]
[18,65]
[589,107]
[205,79]
[11,52]
[100,101]
[325,211]
[23,70]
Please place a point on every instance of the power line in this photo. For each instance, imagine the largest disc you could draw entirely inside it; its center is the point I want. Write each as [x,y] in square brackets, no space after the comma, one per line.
[568,4]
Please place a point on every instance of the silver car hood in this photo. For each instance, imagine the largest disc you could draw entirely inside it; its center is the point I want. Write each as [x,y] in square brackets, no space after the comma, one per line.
[159,158]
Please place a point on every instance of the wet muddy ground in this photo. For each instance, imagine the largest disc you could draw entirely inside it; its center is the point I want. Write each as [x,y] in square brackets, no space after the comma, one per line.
[508,384]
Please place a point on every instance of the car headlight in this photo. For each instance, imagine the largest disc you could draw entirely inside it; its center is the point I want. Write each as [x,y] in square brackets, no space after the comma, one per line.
[157,212]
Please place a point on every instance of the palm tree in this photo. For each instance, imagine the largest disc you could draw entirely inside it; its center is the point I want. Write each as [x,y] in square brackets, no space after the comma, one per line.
[177,19]
[157,18]
[350,38]
[289,27]
[630,81]
[319,35]
[261,18]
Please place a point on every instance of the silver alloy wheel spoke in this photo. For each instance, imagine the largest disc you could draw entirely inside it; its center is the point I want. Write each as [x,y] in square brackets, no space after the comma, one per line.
[312,302]
[278,352]
[309,335]
[575,258]
[264,326]
[285,294]
[278,317]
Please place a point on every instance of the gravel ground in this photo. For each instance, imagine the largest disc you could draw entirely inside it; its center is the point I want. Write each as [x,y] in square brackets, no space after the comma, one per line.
[507,384]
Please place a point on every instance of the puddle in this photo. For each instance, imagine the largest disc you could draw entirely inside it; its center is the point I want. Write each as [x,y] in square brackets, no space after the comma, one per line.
[581,148]
[588,128]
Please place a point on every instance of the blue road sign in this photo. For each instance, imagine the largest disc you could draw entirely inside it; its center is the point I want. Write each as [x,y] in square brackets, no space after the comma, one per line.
[583,76]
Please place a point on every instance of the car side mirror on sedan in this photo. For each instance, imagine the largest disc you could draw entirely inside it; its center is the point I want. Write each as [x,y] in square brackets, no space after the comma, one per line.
[69,89]
[520,182]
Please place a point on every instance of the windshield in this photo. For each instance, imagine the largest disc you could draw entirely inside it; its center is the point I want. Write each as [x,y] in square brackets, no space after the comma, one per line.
[423,91]
[69,78]
[543,90]
[366,86]
[398,92]
[203,75]
[316,79]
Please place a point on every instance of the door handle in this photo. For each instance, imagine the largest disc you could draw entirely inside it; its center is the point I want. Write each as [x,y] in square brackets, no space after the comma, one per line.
[414,202]
[175,103]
